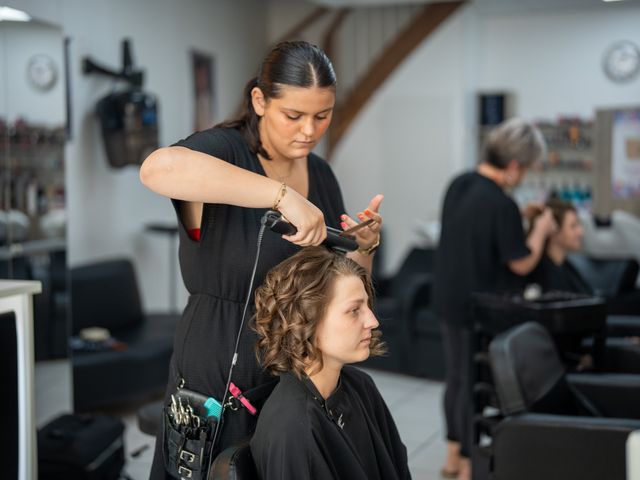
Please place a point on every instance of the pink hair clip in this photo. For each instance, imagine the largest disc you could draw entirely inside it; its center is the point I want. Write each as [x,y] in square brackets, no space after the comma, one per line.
[237,393]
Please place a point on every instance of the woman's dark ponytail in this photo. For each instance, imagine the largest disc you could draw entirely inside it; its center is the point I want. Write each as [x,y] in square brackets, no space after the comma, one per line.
[297,64]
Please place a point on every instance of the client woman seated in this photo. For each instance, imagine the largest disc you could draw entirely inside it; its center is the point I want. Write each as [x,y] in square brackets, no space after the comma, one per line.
[324,420]
[554,272]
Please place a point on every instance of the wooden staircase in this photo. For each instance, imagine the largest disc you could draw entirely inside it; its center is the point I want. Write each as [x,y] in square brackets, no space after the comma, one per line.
[366,44]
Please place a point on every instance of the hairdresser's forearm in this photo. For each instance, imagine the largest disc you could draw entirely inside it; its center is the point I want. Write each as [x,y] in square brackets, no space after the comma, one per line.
[535,242]
[184,174]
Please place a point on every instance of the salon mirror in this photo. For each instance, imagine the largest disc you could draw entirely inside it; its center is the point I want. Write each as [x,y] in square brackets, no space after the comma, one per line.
[33,239]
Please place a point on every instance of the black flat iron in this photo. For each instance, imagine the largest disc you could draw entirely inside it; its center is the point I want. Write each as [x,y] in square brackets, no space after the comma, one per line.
[336,240]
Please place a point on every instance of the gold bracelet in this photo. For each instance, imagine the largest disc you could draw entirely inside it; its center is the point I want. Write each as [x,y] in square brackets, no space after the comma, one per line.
[281,193]
[371,249]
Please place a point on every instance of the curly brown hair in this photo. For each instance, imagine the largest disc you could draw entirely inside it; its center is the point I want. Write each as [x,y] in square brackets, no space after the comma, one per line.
[291,303]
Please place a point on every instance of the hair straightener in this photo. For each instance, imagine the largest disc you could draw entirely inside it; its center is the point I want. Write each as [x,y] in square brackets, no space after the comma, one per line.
[336,240]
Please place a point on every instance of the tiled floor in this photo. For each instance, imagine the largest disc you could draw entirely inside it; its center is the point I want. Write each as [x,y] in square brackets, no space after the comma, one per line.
[414,403]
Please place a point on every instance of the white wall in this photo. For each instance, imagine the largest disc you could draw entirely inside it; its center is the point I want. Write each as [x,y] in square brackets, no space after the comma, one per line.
[411,137]
[108,208]
[418,130]
[21,41]
[552,59]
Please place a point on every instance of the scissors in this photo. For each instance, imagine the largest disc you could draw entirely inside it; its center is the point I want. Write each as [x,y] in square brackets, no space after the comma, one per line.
[349,231]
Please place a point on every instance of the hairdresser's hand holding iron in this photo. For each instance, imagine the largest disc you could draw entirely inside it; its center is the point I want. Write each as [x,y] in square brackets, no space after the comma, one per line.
[368,238]
[305,216]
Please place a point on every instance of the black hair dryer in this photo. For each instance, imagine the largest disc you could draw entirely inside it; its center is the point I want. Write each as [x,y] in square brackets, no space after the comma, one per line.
[129,124]
[335,239]
[128,117]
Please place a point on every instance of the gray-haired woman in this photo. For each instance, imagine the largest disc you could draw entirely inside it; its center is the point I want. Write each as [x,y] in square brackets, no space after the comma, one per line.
[482,249]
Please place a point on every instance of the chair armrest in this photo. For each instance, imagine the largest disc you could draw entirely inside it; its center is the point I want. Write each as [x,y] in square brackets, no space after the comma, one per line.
[623,325]
[534,446]
[234,463]
[627,303]
[614,395]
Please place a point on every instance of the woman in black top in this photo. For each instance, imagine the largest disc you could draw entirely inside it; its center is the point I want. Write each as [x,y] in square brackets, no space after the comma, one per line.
[324,420]
[221,181]
[554,272]
[482,248]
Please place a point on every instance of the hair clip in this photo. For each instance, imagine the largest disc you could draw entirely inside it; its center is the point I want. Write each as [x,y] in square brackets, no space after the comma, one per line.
[237,393]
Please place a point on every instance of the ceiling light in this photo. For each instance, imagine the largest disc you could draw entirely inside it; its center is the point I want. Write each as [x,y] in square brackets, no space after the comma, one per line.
[607,1]
[12,15]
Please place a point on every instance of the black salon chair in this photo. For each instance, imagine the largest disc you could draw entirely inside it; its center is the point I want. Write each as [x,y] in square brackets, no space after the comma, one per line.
[234,463]
[426,351]
[612,278]
[394,298]
[105,294]
[615,279]
[150,417]
[557,426]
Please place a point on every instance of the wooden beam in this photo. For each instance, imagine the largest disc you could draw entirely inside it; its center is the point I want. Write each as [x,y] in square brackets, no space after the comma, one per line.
[329,36]
[305,23]
[431,17]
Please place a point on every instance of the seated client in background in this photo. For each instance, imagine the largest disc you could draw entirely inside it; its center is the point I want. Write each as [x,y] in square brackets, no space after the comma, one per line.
[554,272]
[324,420]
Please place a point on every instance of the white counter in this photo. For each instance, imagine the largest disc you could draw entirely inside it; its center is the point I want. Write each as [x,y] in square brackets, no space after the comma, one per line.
[633,456]
[16,296]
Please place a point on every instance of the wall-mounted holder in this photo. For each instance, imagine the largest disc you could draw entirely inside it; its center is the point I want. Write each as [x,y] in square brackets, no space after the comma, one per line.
[128,117]
[128,74]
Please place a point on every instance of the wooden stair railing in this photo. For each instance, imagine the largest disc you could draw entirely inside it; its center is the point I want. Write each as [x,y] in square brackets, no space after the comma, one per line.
[431,17]
[303,24]
[328,43]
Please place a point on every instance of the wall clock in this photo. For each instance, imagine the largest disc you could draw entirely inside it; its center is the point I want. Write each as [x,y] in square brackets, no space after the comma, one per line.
[621,61]
[42,72]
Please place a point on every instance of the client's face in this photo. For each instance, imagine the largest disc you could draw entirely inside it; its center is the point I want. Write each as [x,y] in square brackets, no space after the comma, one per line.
[344,334]
[569,236]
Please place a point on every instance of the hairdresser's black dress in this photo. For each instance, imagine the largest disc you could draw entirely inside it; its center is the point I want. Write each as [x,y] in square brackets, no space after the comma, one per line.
[351,436]
[216,272]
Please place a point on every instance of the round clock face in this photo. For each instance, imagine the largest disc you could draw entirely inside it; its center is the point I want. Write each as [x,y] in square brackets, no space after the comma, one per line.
[42,72]
[621,61]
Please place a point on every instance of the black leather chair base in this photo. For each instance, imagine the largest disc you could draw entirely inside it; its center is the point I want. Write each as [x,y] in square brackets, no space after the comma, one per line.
[150,418]
[234,463]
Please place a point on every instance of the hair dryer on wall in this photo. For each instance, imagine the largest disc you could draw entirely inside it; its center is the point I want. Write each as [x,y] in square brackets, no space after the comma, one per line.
[128,118]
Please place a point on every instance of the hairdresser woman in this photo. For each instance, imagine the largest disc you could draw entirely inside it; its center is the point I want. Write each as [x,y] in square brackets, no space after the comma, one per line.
[221,181]
[482,248]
